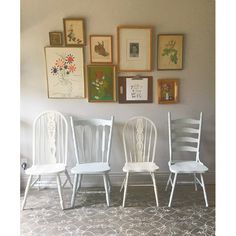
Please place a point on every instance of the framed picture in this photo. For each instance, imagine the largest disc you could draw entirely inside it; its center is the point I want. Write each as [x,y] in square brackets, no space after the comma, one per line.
[74,32]
[135,89]
[65,72]
[101,81]
[168,91]
[101,48]
[170,52]
[134,48]
[55,38]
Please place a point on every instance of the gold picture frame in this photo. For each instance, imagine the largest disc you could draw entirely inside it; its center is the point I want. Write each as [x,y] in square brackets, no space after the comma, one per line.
[74,32]
[55,38]
[170,51]
[134,48]
[168,91]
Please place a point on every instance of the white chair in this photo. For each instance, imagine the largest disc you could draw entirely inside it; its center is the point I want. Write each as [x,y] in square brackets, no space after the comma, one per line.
[139,139]
[92,145]
[50,136]
[184,138]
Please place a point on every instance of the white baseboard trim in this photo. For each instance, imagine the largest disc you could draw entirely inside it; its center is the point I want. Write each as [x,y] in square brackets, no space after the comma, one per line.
[117,178]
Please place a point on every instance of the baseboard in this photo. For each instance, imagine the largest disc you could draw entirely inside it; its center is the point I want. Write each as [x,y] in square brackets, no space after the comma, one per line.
[117,178]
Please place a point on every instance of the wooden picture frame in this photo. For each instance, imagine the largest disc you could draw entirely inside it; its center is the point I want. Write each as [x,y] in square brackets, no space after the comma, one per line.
[74,32]
[65,72]
[170,51]
[55,38]
[101,83]
[134,48]
[101,49]
[168,91]
[135,89]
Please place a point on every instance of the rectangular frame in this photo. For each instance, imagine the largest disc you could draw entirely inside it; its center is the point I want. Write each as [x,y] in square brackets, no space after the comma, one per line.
[134,48]
[168,91]
[101,49]
[56,38]
[170,51]
[74,32]
[101,83]
[65,72]
[133,89]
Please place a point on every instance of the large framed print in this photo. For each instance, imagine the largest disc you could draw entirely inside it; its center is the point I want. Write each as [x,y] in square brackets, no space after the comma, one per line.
[170,52]
[133,89]
[134,48]
[65,72]
[101,81]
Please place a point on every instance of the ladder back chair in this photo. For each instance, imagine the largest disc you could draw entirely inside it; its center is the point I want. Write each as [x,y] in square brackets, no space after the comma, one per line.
[184,137]
[50,137]
[92,144]
[139,140]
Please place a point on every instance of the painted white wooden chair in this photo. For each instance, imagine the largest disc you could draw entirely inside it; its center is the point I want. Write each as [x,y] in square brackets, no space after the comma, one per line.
[92,144]
[184,139]
[50,137]
[139,140]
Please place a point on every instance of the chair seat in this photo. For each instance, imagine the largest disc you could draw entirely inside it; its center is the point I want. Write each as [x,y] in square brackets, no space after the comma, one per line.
[188,167]
[140,167]
[91,168]
[45,169]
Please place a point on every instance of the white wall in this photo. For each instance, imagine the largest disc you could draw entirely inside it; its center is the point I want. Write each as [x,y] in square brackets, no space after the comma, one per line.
[195,19]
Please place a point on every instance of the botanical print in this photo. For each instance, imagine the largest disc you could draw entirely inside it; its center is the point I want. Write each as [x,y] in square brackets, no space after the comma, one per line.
[136,89]
[171,52]
[65,72]
[101,83]
[167,91]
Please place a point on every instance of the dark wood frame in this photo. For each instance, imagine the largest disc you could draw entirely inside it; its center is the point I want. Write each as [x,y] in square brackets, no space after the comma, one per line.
[134,27]
[59,34]
[65,37]
[122,89]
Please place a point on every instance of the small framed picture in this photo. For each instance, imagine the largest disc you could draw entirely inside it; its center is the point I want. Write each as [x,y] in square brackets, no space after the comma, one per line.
[101,82]
[170,52]
[134,48]
[55,38]
[65,72]
[101,48]
[74,32]
[135,89]
[168,91]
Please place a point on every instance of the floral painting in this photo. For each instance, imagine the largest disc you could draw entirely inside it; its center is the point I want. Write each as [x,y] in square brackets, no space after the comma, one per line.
[170,52]
[65,72]
[101,83]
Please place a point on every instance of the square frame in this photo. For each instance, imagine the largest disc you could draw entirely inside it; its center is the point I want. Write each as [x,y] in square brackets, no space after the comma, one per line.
[135,89]
[168,91]
[74,32]
[101,83]
[134,48]
[101,49]
[65,72]
[56,38]
[170,51]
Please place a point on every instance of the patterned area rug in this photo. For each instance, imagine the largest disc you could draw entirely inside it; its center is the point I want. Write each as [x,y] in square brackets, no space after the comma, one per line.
[187,216]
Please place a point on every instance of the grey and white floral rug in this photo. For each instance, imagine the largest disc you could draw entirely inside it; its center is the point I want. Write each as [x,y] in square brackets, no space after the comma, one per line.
[188,215]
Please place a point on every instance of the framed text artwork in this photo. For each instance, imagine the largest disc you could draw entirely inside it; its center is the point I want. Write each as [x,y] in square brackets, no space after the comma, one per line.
[134,48]
[168,91]
[65,72]
[101,48]
[133,89]
[74,32]
[101,81]
[170,52]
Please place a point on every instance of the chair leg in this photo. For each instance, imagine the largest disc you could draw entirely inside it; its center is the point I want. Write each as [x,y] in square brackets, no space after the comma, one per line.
[172,190]
[122,185]
[79,182]
[60,191]
[26,191]
[195,182]
[204,190]
[106,189]
[68,177]
[167,184]
[155,187]
[74,190]
[39,179]
[125,189]
[109,183]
